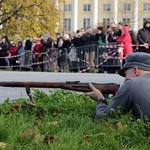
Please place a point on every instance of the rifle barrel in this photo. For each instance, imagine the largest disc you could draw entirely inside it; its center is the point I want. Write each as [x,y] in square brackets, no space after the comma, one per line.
[107,88]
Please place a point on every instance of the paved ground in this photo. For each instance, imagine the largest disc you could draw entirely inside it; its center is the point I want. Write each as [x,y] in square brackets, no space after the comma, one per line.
[13,93]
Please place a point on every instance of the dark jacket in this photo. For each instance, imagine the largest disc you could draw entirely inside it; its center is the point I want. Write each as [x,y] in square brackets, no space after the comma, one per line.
[4,49]
[88,42]
[77,41]
[46,44]
[132,96]
[28,45]
[133,37]
[119,33]
[66,46]
[143,35]
[100,37]
[110,37]
[88,39]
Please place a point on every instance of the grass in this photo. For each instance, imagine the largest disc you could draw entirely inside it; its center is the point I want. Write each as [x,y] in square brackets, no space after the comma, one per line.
[64,120]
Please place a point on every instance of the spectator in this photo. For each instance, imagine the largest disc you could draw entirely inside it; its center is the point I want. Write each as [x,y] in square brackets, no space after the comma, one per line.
[89,41]
[59,41]
[20,53]
[4,52]
[47,42]
[120,27]
[78,44]
[111,33]
[28,44]
[65,50]
[13,56]
[143,37]
[36,50]
[47,53]
[58,44]
[72,55]
[27,57]
[100,36]
[126,40]
[133,37]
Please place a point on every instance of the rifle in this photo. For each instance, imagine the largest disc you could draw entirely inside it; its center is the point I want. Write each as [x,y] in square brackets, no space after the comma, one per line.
[107,88]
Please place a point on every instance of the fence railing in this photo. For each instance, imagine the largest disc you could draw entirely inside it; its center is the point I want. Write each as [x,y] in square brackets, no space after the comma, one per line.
[104,57]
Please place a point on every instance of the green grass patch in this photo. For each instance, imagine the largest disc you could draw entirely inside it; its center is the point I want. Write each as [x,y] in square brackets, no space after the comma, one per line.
[64,120]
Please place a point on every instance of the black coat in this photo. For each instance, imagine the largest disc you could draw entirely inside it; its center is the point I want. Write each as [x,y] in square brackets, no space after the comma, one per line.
[101,36]
[88,39]
[4,49]
[28,45]
[143,36]
[66,46]
[77,41]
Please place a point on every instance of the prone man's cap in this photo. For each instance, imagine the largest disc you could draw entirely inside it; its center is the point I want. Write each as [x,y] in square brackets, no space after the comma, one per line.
[140,60]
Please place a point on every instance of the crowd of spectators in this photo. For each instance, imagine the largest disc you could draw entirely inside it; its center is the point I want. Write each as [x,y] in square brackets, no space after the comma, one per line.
[70,47]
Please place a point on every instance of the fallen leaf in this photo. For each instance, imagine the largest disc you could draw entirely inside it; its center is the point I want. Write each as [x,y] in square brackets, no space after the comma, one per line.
[40,114]
[29,132]
[85,136]
[120,126]
[49,139]
[2,145]
[54,123]
[15,107]
[39,138]
[31,104]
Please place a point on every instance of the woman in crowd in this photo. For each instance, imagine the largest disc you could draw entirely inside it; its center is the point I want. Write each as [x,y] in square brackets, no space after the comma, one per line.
[126,41]
[13,56]
[4,52]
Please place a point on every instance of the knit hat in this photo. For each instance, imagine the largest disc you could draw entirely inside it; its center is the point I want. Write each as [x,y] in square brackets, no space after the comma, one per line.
[140,60]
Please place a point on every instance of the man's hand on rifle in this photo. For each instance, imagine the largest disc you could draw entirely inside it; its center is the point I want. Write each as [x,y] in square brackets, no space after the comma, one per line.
[95,93]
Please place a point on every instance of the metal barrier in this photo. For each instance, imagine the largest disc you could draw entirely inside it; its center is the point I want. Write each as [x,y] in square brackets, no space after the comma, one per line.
[26,61]
[86,56]
[103,57]
[50,59]
[105,51]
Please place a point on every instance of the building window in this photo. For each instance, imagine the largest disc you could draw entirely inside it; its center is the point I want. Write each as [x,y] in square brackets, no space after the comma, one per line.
[126,7]
[87,7]
[106,7]
[86,22]
[146,19]
[67,24]
[126,20]
[146,6]
[67,7]
[106,21]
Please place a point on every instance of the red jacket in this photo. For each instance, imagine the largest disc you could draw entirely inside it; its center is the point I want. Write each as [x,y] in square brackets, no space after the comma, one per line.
[125,38]
[37,48]
[13,50]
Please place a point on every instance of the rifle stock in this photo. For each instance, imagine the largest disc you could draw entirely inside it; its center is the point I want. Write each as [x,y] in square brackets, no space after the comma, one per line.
[107,88]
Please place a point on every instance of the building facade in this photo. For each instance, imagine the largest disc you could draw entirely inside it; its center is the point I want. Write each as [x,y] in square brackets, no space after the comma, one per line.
[81,14]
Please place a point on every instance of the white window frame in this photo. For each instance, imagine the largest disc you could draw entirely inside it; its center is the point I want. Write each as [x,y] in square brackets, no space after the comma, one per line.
[106,7]
[67,24]
[126,20]
[107,20]
[146,6]
[87,7]
[86,22]
[126,7]
[67,7]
